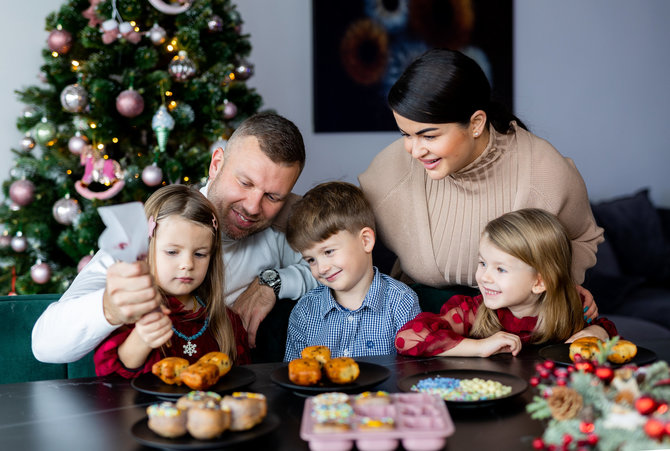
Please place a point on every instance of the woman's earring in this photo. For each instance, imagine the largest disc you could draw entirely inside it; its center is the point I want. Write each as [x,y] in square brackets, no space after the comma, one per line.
[476,134]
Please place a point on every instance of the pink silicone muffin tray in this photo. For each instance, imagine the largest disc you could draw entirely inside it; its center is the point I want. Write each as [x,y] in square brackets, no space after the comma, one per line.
[422,423]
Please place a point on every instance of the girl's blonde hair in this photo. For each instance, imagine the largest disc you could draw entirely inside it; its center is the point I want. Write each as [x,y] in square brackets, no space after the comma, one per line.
[537,238]
[188,203]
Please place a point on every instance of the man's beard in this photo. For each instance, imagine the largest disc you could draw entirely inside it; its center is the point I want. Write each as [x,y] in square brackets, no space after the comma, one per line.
[237,233]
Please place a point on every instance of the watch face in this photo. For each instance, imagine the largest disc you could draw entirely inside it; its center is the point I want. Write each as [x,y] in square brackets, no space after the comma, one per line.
[269,276]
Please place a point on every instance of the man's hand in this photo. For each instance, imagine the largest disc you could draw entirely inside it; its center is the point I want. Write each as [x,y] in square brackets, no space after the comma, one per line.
[253,305]
[130,293]
[589,304]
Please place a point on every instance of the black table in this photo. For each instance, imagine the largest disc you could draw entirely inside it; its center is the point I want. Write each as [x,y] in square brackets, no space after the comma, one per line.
[98,413]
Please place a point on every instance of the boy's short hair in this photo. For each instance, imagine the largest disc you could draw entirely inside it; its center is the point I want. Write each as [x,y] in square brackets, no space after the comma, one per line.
[325,210]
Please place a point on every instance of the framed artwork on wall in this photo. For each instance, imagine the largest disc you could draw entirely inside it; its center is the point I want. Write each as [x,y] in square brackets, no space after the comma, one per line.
[362,46]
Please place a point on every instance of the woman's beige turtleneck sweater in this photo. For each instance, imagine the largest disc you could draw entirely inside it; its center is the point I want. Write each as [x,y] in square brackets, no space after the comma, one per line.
[434,226]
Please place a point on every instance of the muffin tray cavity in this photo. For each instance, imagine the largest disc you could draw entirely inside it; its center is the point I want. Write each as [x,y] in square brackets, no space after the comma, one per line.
[418,421]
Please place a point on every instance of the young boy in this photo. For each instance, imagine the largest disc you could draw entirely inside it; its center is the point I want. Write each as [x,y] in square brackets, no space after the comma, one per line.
[355,310]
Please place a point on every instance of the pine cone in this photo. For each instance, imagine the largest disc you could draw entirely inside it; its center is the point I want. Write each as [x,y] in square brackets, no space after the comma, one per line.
[564,403]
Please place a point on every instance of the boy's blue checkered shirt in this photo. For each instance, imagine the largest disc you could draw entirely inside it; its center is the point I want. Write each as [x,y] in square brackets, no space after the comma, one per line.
[317,319]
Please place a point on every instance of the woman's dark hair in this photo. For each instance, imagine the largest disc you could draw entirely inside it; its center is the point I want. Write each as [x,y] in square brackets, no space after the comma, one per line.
[443,86]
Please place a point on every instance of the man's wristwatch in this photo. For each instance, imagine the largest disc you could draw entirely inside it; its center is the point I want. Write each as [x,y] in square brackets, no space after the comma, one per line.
[270,277]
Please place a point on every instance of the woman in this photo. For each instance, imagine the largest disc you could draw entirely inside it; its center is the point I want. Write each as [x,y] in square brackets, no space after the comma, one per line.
[461,162]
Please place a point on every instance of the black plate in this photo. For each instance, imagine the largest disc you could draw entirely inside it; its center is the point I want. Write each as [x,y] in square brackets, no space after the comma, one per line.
[146,436]
[237,377]
[370,375]
[518,384]
[560,353]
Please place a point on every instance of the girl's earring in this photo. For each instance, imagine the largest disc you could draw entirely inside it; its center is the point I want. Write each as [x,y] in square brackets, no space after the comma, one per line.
[476,134]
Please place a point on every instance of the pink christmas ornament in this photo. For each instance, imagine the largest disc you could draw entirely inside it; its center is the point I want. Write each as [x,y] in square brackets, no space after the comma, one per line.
[5,241]
[83,262]
[78,143]
[65,210]
[229,109]
[19,243]
[152,175]
[171,9]
[110,31]
[129,34]
[59,41]
[40,273]
[22,192]
[129,103]
[91,14]
[106,172]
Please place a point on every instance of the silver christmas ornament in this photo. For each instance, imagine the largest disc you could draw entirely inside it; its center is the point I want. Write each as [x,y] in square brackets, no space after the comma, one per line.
[244,70]
[22,192]
[74,98]
[19,243]
[27,143]
[44,132]
[66,210]
[152,175]
[40,273]
[129,103]
[215,24]
[77,144]
[157,34]
[181,68]
[229,109]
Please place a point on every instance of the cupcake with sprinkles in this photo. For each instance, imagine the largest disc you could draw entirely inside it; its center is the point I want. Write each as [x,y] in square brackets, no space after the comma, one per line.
[376,424]
[334,417]
[167,420]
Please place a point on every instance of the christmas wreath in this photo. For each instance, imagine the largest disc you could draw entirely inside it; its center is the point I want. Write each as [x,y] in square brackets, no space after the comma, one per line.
[591,405]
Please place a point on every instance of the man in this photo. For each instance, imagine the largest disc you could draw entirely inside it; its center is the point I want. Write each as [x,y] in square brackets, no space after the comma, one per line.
[249,184]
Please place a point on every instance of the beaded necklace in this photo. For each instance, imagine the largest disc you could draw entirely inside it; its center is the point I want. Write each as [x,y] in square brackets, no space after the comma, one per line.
[190,348]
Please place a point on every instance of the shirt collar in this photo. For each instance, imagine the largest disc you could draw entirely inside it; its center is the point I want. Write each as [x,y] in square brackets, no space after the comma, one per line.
[373,299]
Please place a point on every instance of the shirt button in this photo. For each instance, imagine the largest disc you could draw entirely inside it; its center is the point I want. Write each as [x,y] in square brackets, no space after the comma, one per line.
[370,344]
[350,318]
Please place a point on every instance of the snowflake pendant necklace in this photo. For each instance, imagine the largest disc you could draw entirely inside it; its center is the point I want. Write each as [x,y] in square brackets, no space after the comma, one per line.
[190,348]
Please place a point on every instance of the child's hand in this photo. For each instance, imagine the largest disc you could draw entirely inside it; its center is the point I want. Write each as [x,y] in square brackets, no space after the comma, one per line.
[155,328]
[498,343]
[590,331]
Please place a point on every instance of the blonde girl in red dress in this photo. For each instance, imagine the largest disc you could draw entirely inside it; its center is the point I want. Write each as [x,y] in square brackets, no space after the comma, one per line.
[527,295]
[187,267]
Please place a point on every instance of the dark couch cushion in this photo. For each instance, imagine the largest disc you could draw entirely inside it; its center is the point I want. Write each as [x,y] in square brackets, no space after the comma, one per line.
[633,227]
[17,316]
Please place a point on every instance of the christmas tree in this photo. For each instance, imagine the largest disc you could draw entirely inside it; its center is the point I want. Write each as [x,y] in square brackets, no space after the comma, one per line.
[135,94]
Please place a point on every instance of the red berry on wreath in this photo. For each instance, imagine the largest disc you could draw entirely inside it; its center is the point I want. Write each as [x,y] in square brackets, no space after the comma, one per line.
[645,405]
[538,443]
[605,374]
[548,364]
[593,439]
[654,428]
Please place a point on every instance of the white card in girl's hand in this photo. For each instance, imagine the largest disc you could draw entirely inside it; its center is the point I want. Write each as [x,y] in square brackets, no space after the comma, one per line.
[126,237]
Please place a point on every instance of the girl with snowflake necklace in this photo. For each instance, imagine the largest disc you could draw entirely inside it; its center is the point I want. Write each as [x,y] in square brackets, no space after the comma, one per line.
[187,266]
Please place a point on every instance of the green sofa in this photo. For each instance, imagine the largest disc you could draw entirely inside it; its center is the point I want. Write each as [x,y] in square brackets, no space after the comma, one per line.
[17,363]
